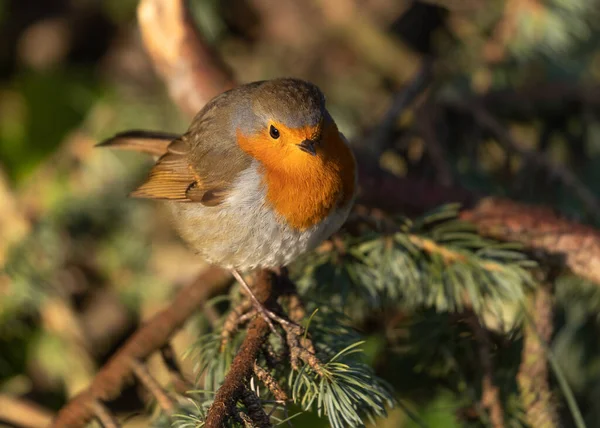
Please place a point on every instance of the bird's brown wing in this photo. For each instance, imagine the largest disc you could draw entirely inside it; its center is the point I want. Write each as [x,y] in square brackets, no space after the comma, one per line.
[174,176]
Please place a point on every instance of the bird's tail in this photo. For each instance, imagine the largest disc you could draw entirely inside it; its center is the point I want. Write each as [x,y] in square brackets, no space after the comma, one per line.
[150,142]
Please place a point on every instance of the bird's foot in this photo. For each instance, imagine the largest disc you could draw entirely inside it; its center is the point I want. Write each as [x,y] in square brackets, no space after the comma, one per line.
[268,315]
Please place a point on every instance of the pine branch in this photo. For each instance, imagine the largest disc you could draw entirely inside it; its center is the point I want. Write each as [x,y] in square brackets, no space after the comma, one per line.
[434,261]
[575,246]
[238,377]
[153,335]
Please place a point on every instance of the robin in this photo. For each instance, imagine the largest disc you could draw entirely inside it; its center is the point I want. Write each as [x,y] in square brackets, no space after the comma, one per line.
[261,176]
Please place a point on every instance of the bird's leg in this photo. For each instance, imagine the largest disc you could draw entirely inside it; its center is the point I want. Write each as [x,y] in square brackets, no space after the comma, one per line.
[266,314]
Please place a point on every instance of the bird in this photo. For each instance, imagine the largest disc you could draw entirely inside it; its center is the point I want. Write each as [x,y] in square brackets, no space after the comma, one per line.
[261,176]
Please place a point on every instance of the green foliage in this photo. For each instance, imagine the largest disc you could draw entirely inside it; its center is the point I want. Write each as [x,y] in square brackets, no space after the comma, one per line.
[435,261]
[345,390]
[41,109]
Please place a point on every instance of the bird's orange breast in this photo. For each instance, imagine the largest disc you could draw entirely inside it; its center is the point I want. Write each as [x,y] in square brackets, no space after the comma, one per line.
[304,189]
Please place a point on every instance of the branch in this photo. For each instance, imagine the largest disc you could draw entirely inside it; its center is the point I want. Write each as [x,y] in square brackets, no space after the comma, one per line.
[192,71]
[377,140]
[181,384]
[155,334]
[237,378]
[23,413]
[104,415]
[539,228]
[164,401]
[533,371]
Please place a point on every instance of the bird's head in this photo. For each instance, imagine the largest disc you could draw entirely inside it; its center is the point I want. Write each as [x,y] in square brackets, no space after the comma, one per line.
[288,125]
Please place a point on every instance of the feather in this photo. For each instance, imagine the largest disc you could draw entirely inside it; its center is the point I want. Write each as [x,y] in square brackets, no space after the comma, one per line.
[170,178]
[150,142]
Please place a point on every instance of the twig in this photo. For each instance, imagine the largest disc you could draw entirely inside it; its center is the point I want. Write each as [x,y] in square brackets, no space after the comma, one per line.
[271,383]
[378,139]
[302,349]
[155,334]
[161,396]
[242,366]
[233,321]
[104,415]
[426,126]
[532,378]
[182,385]
[490,394]
[22,413]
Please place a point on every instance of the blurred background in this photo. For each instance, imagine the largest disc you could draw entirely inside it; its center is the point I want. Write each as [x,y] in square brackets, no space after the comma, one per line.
[82,264]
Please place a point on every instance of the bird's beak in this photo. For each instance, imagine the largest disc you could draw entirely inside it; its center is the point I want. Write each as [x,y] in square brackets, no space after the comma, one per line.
[308,146]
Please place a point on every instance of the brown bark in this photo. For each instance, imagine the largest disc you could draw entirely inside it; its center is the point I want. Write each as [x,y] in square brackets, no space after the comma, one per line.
[242,367]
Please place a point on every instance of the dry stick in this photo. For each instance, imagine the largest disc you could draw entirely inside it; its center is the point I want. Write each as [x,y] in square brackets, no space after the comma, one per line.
[375,143]
[166,403]
[237,378]
[104,416]
[153,335]
[23,413]
[181,384]
[532,378]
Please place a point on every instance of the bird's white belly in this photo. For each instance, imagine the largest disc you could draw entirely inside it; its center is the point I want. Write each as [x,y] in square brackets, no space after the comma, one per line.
[244,233]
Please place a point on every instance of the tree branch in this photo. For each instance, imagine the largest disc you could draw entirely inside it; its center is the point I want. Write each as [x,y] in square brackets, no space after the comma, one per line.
[533,371]
[577,246]
[23,413]
[104,415]
[242,367]
[153,335]
[192,71]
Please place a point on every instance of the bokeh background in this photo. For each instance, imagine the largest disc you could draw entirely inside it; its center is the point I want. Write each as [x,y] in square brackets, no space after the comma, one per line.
[83,264]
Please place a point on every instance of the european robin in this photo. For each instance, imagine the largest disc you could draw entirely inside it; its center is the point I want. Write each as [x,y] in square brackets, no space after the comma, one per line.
[261,175]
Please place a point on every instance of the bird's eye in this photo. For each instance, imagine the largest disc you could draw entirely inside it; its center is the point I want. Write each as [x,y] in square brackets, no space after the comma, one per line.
[274,132]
